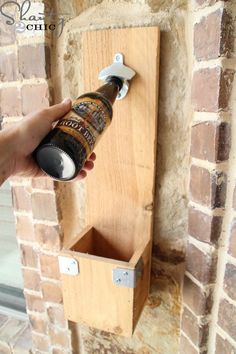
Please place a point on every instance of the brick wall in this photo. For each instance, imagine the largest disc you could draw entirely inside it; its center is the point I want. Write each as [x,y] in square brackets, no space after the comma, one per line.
[209,288]
[209,306]
[25,86]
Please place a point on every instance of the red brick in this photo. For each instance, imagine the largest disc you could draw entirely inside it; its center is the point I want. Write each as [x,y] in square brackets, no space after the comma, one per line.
[207,188]
[34,61]
[29,257]
[7,34]
[227,35]
[24,228]
[227,77]
[59,337]
[43,183]
[34,303]
[44,206]
[204,227]
[211,141]
[38,323]
[34,97]
[232,241]
[186,346]
[224,141]
[198,300]
[211,89]
[10,102]
[31,279]
[201,265]
[41,343]
[49,266]
[213,36]
[51,292]
[8,66]
[223,346]
[198,333]
[56,316]
[227,317]
[48,237]
[200,185]
[21,198]
[230,281]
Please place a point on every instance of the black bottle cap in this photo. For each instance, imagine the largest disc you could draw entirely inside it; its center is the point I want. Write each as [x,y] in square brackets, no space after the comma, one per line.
[116,80]
[56,163]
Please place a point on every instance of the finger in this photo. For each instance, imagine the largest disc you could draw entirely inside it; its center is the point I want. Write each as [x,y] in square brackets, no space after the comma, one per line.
[92,157]
[88,165]
[58,110]
[81,175]
[37,125]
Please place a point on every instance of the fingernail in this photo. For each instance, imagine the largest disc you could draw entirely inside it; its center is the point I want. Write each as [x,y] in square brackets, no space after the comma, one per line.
[66,101]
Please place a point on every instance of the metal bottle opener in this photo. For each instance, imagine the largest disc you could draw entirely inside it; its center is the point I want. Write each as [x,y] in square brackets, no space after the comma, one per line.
[120,70]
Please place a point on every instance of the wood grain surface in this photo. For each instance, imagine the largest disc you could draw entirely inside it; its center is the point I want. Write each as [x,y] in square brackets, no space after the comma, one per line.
[120,189]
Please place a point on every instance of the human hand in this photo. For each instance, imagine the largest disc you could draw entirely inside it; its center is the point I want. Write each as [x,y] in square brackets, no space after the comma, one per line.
[29,133]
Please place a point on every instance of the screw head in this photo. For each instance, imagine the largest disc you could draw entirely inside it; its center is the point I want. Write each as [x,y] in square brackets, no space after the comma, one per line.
[118,58]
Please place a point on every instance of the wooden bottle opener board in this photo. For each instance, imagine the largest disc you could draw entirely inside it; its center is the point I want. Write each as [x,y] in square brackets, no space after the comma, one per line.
[120,189]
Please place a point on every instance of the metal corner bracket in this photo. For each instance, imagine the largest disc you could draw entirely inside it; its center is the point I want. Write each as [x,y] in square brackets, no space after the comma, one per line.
[128,277]
[68,265]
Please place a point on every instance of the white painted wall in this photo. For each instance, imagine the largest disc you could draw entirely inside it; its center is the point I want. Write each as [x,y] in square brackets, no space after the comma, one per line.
[10,268]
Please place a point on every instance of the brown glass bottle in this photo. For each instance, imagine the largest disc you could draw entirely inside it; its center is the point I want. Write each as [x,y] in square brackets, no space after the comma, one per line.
[64,151]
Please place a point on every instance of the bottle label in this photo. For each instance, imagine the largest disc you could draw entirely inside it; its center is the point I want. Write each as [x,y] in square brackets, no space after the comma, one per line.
[87,120]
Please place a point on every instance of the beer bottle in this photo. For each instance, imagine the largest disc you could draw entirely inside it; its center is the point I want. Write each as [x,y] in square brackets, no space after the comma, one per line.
[64,151]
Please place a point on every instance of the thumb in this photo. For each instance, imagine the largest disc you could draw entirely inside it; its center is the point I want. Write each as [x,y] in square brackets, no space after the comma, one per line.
[40,123]
[58,110]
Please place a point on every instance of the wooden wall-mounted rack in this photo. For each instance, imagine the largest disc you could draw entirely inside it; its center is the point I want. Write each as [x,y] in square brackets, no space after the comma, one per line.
[108,265]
